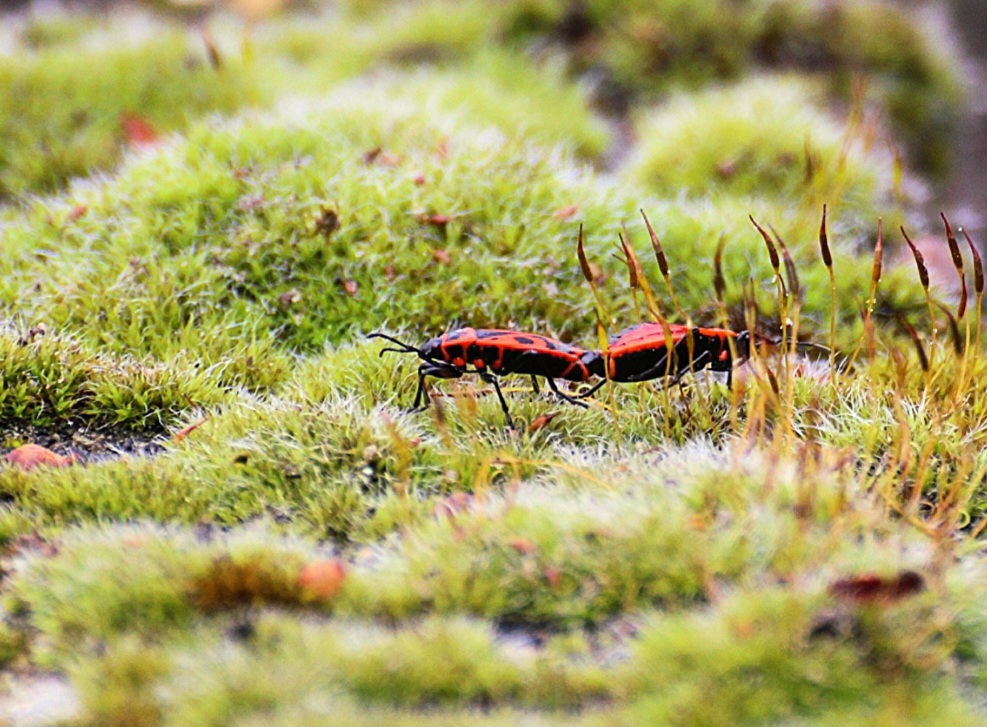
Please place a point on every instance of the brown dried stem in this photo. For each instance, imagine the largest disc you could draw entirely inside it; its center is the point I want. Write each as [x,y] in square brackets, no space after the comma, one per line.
[923,276]
[827,258]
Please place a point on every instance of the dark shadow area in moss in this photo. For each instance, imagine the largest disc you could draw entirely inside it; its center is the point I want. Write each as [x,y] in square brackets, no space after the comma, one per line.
[91,444]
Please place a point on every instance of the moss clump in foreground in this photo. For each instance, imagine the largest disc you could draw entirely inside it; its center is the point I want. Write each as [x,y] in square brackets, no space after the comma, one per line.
[698,571]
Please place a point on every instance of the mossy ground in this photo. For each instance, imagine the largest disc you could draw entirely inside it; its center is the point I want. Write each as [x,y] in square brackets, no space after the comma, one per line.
[260,533]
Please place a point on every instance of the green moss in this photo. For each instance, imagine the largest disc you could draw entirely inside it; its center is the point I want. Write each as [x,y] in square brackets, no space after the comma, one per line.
[159,84]
[240,254]
[521,97]
[118,687]
[783,662]
[142,580]
[215,245]
[49,379]
[763,137]
[652,46]
[667,554]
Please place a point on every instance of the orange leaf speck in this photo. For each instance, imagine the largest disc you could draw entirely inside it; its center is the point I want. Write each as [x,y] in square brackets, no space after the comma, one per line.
[138,130]
[322,579]
[566,212]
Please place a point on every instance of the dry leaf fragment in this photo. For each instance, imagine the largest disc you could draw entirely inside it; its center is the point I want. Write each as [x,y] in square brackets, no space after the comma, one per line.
[553,576]
[566,212]
[288,299]
[727,168]
[327,222]
[369,157]
[542,421]
[452,505]
[181,434]
[522,545]
[441,256]
[137,130]
[212,51]
[377,155]
[322,579]
[29,457]
[872,588]
[439,220]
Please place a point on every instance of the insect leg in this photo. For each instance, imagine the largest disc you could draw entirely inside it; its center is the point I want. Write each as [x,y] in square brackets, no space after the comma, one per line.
[432,368]
[565,397]
[491,379]
[592,390]
[658,370]
[421,394]
[518,363]
[702,361]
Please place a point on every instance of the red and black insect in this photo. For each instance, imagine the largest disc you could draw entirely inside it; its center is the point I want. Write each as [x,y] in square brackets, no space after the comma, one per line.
[641,352]
[493,353]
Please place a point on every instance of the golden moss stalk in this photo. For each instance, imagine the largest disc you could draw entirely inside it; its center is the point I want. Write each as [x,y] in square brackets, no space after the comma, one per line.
[603,321]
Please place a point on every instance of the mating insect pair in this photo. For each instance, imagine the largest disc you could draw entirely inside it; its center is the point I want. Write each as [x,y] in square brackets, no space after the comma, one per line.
[638,353]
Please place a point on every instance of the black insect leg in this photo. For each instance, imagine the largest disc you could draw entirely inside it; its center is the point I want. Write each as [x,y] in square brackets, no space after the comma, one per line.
[564,397]
[661,369]
[701,361]
[534,378]
[432,368]
[592,390]
[421,394]
[491,379]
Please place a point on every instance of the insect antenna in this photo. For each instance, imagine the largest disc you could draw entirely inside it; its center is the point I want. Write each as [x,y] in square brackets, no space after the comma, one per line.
[405,348]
